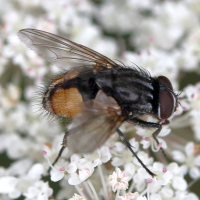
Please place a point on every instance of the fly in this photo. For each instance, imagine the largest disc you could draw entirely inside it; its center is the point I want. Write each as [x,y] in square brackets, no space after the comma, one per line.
[99,94]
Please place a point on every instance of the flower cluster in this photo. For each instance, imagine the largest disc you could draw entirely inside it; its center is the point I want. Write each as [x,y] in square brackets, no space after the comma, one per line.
[160,36]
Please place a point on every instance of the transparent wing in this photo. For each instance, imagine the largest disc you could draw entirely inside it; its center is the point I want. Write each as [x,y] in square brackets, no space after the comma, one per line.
[63,52]
[94,125]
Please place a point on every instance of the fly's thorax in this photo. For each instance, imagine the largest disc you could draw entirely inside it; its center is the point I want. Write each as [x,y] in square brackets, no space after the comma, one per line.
[132,89]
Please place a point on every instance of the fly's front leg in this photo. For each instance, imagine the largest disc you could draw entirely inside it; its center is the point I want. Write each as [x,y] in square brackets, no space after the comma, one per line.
[130,148]
[166,122]
[145,124]
[156,133]
[64,144]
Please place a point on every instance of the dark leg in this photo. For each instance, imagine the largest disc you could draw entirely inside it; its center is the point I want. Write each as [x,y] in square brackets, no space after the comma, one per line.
[145,124]
[155,134]
[64,144]
[166,122]
[57,158]
[130,148]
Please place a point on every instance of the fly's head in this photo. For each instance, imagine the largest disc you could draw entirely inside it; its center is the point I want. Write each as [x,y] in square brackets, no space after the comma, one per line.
[168,100]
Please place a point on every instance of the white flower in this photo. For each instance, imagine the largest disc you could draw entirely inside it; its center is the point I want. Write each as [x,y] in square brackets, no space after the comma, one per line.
[10,97]
[166,192]
[193,95]
[85,170]
[77,197]
[18,144]
[141,198]
[35,172]
[180,194]
[125,157]
[148,139]
[40,190]
[129,196]
[163,177]
[74,179]
[195,114]
[8,186]
[129,170]
[189,160]
[61,168]
[122,155]
[56,175]
[140,179]
[63,193]
[20,167]
[85,173]
[178,182]
[155,197]
[100,156]
[118,180]
[134,144]
[191,196]
[144,158]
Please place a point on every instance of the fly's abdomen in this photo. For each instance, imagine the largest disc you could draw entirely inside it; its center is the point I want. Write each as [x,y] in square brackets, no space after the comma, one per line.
[65,93]
[65,102]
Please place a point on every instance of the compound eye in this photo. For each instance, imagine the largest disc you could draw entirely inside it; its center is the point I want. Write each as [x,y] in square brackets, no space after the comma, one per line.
[165,81]
[167,104]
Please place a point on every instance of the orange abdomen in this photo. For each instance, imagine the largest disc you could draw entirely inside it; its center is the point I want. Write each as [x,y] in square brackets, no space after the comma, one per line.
[65,102]
[62,99]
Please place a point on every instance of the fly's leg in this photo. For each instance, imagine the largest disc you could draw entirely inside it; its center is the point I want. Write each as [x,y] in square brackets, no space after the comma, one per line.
[57,158]
[156,133]
[145,124]
[64,144]
[130,148]
[166,122]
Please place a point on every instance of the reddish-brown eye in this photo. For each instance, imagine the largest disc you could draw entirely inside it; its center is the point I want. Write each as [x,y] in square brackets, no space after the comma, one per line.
[166,98]
[167,104]
[165,81]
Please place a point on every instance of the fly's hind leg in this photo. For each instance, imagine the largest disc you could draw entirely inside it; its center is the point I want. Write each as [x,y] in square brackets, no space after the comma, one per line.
[64,144]
[130,148]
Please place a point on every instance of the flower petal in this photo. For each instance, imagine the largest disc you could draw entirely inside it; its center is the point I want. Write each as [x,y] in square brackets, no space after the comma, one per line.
[197,160]
[72,168]
[179,183]
[194,173]
[36,171]
[7,184]
[164,132]
[116,162]
[189,148]
[178,156]
[85,173]
[74,179]
[105,154]
[56,175]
